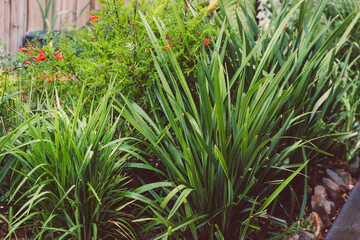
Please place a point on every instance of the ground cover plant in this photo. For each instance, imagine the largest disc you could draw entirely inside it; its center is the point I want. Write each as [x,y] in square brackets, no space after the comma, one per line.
[222,114]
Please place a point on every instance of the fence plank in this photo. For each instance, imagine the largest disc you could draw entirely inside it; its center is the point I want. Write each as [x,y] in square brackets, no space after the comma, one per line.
[82,12]
[67,19]
[18,23]
[21,16]
[58,9]
[34,19]
[95,5]
[5,25]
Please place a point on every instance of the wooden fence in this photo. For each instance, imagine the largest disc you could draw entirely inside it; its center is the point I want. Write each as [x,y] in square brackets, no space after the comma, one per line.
[20,16]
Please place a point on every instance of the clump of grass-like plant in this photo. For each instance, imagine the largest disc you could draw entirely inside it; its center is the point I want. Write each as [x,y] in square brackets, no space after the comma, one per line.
[218,146]
[72,185]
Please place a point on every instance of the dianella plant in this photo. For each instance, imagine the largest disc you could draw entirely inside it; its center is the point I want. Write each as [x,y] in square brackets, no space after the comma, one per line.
[218,145]
[69,182]
[318,86]
[227,145]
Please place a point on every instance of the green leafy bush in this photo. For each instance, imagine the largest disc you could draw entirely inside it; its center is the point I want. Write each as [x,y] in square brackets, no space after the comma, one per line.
[114,45]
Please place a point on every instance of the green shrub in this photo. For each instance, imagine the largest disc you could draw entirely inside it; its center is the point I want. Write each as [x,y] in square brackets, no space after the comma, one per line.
[114,46]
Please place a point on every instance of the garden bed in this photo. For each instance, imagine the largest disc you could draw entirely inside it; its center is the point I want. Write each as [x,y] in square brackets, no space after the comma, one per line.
[182,121]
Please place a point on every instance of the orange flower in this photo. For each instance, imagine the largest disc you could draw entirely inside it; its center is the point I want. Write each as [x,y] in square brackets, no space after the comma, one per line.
[51,78]
[22,48]
[206,41]
[94,18]
[41,57]
[58,55]
[27,62]
[167,47]
[43,76]
[31,52]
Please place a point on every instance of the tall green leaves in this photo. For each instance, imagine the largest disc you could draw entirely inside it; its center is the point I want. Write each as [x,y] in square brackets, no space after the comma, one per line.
[316,86]
[219,143]
[72,183]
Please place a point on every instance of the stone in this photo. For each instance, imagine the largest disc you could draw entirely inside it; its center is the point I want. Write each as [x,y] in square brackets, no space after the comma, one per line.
[305,235]
[337,179]
[325,218]
[295,237]
[334,195]
[347,178]
[316,224]
[320,200]
[320,190]
[354,165]
[347,223]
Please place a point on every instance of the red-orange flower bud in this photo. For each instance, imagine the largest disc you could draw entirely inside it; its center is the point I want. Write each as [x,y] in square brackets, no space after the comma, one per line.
[58,55]
[41,57]
[94,18]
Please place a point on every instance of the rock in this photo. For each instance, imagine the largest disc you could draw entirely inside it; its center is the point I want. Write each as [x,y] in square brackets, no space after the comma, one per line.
[325,218]
[347,178]
[336,193]
[320,200]
[320,190]
[354,164]
[337,179]
[316,224]
[295,237]
[305,235]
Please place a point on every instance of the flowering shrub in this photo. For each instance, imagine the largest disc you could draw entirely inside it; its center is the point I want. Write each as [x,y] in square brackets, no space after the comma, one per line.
[115,45]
